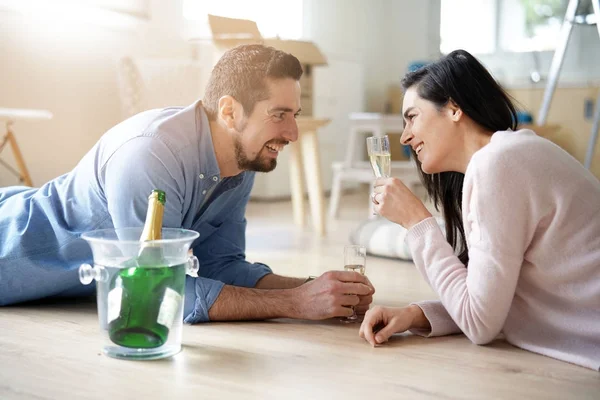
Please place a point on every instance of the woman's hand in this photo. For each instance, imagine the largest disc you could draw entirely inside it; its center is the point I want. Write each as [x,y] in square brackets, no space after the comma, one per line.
[394,201]
[382,322]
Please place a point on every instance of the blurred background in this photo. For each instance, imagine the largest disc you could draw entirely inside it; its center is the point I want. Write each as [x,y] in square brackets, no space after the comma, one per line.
[91,63]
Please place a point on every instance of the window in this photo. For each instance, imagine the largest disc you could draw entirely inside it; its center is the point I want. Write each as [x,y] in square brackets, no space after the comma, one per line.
[273,17]
[112,13]
[468,25]
[489,26]
[531,25]
[139,8]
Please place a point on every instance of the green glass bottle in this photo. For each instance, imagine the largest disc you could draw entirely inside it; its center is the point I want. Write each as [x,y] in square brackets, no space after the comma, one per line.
[146,293]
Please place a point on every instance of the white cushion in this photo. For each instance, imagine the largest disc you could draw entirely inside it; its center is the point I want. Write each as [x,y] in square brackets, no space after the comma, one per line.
[384,238]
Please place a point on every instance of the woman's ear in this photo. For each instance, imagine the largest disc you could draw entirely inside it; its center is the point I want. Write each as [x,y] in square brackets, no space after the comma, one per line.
[454,110]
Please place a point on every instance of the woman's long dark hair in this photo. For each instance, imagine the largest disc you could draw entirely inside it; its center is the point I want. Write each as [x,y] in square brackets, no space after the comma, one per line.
[459,77]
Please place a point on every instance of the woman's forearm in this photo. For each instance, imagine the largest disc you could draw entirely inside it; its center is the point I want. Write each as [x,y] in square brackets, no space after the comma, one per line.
[419,321]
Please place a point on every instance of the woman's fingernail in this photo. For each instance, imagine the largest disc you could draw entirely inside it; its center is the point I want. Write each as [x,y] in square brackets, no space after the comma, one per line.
[379,339]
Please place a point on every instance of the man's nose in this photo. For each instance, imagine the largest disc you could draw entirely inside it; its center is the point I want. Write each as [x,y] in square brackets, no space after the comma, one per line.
[291,131]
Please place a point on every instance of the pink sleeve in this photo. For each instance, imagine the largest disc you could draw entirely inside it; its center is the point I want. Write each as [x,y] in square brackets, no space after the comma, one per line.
[499,226]
[479,301]
[441,322]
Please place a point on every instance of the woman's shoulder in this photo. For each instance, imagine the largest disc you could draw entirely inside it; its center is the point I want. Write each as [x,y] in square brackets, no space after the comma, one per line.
[521,141]
[521,150]
[524,160]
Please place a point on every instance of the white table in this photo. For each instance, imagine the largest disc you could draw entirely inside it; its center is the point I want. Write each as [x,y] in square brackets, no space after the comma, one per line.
[355,170]
[10,116]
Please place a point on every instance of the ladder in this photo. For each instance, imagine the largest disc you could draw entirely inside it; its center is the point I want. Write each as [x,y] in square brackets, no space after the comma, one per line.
[571,19]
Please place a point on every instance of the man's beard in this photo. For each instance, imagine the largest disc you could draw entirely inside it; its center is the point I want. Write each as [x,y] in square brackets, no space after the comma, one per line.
[258,164]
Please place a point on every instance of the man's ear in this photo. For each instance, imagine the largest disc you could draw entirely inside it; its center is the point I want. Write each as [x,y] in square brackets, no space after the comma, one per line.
[454,110]
[227,111]
[231,112]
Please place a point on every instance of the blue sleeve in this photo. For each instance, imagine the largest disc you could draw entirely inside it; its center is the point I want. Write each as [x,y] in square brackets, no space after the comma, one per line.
[223,261]
[132,172]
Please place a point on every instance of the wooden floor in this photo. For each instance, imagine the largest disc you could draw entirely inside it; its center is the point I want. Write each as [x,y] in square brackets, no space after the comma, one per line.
[50,350]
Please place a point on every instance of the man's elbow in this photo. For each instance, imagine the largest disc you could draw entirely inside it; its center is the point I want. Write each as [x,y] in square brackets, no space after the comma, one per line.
[7,296]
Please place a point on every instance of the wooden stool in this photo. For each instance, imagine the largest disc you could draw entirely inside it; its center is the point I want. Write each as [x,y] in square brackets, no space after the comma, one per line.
[10,116]
[305,153]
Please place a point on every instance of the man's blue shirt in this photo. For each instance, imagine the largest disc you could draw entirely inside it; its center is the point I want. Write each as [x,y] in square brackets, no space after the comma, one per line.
[169,149]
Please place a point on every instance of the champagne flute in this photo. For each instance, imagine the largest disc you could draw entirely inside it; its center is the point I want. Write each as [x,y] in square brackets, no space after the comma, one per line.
[378,148]
[355,259]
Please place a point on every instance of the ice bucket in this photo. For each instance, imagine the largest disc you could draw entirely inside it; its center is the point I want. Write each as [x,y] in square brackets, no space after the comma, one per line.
[140,290]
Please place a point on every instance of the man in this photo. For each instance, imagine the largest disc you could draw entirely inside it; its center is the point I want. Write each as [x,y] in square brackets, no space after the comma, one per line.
[204,158]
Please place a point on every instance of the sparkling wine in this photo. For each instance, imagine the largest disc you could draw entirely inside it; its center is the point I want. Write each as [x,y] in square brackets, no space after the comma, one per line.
[355,268]
[143,304]
[381,164]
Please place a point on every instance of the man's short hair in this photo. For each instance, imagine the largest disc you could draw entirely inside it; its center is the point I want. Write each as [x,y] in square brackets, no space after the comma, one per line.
[241,73]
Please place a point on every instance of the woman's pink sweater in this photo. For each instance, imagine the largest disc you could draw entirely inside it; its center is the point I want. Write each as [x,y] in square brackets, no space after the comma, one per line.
[531,214]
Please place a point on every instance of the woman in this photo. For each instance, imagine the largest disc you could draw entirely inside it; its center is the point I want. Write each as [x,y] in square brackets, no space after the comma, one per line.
[520,212]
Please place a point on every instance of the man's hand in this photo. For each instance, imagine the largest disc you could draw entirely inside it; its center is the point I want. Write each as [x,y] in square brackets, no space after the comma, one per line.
[363,305]
[328,296]
[332,294]
[365,301]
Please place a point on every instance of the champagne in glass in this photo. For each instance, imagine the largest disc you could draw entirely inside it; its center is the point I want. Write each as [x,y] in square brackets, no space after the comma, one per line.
[355,268]
[355,259]
[378,148]
[380,162]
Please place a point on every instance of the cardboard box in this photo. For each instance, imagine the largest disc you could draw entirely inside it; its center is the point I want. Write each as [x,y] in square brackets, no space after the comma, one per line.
[231,32]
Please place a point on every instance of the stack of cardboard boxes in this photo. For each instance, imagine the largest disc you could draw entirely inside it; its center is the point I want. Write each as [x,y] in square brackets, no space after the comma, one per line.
[231,32]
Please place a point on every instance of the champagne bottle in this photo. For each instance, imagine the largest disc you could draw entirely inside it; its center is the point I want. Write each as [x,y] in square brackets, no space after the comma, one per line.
[151,254]
[146,293]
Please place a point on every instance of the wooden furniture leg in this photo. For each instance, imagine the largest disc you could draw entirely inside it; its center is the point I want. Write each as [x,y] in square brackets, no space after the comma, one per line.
[336,190]
[22,168]
[297,182]
[312,170]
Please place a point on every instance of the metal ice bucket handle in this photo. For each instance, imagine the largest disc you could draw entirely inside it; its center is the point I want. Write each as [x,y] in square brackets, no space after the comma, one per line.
[89,273]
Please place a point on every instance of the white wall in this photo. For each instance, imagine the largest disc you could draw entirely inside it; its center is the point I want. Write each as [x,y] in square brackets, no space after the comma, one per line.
[69,69]
[369,45]
[383,35]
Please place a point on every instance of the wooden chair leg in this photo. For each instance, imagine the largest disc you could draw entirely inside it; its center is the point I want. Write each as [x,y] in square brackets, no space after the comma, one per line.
[312,169]
[22,168]
[334,200]
[297,182]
